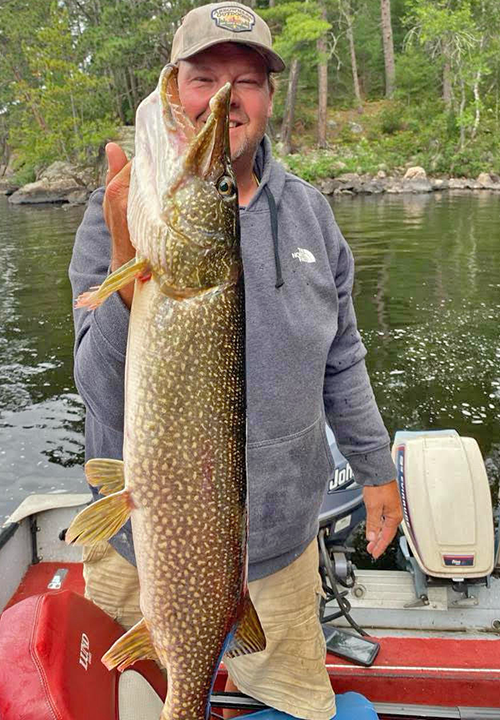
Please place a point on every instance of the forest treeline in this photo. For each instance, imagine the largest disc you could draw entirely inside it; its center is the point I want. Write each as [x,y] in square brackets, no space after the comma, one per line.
[369,83]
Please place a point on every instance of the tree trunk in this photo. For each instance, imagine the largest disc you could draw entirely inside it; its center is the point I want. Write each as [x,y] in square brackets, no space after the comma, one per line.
[447,77]
[133,89]
[128,93]
[114,89]
[461,114]
[477,102]
[354,63]
[24,90]
[322,103]
[288,115]
[390,67]
[322,86]
[272,3]
[477,97]
[447,92]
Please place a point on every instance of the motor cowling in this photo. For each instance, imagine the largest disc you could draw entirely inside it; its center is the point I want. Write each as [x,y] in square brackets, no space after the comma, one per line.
[446,499]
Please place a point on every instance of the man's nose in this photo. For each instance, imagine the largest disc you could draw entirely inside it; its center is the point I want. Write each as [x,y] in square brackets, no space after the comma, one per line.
[235,99]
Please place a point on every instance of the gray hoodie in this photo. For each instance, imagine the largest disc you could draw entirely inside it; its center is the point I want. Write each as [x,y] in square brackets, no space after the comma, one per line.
[305,361]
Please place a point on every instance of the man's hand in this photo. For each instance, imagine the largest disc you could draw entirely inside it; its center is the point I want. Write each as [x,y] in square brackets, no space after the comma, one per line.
[115,212]
[383,515]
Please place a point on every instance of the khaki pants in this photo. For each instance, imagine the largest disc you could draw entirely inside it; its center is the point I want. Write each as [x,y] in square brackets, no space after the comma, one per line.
[290,674]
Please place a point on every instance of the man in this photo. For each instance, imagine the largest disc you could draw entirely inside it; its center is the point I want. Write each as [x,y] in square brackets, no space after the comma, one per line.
[305,359]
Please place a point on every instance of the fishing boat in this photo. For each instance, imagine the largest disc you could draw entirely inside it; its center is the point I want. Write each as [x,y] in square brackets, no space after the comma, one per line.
[433,649]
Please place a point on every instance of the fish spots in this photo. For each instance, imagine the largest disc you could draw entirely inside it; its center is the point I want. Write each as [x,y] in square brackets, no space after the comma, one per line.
[185,459]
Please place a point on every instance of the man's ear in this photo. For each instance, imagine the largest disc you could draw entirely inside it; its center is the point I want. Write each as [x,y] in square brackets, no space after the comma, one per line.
[270,106]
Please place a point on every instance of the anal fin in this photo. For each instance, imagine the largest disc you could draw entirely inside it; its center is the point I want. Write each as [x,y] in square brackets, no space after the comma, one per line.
[105,474]
[101,520]
[249,636]
[133,646]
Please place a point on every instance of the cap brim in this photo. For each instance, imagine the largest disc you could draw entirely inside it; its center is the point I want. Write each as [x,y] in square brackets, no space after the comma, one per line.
[273,61]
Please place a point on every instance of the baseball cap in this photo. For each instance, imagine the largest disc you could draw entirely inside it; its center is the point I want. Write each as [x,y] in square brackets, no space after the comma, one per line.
[221,22]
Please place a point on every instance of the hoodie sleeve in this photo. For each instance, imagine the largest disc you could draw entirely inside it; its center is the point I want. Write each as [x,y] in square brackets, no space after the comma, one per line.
[101,334]
[350,404]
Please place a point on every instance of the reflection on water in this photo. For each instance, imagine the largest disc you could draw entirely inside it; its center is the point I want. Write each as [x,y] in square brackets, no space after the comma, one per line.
[41,417]
[427,296]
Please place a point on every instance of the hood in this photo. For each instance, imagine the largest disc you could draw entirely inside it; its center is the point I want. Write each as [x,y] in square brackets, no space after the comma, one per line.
[271,175]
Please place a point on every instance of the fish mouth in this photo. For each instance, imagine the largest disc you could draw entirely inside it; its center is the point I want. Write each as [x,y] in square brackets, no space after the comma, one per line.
[211,144]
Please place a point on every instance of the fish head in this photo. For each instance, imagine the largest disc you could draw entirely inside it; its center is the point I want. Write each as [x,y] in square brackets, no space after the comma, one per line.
[183,213]
[200,206]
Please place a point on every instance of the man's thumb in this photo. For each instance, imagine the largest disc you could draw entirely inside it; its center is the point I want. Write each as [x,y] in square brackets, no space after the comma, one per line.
[116,160]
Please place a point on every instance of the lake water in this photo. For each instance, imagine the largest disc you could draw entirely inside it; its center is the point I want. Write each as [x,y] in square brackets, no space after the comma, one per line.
[427,296]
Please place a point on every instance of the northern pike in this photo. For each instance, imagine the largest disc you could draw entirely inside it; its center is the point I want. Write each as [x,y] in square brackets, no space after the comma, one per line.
[183,475]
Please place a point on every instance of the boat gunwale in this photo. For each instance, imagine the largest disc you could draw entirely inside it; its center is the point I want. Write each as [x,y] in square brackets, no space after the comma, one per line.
[7,532]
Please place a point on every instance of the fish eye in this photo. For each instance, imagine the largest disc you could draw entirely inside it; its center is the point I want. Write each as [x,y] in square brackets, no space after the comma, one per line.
[226,186]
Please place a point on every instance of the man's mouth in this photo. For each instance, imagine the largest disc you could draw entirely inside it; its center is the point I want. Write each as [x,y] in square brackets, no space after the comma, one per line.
[232,123]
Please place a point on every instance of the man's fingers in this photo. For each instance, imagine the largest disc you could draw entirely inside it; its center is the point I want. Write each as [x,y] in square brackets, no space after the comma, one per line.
[383,515]
[384,538]
[117,160]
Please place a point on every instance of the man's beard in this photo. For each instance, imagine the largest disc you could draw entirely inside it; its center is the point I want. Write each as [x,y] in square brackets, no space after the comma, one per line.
[248,146]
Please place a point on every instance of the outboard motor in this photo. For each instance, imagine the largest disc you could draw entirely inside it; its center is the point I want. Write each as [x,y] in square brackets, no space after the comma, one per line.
[341,512]
[448,516]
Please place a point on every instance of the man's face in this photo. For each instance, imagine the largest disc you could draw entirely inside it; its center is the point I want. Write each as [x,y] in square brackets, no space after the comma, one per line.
[251,98]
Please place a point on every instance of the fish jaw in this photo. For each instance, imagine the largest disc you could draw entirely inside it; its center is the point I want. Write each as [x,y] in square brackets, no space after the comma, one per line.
[202,209]
[209,155]
[183,202]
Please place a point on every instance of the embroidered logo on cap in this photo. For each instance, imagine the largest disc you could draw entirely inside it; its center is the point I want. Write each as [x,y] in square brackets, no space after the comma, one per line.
[233,18]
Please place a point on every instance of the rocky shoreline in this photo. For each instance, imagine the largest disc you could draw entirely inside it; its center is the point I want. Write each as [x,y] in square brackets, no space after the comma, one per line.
[414,181]
[65,183]
[62,182]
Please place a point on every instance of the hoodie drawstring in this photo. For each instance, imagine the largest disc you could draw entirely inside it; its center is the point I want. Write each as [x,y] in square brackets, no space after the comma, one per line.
[274,231]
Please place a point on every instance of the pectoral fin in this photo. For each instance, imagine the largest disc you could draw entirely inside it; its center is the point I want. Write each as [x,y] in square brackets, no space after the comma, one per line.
[101,520]
[249,636]
[105,474]
[116,281]
[135,645]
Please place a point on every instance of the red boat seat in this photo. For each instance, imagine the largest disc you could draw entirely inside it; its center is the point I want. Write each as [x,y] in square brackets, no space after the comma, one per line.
[50,662]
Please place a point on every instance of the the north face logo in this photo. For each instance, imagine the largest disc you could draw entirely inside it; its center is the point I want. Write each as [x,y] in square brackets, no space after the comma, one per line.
[304,255]
[233,18]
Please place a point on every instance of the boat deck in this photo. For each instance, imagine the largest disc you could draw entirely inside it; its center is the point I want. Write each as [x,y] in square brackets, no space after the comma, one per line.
[433,671]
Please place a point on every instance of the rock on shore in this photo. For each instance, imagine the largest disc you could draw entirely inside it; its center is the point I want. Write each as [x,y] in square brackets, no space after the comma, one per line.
[414,181]
[65,183]
[7,183]
[62,182]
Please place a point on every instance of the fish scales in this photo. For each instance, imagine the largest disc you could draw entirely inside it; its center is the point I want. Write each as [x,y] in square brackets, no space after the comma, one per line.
[190,535]
[184,453]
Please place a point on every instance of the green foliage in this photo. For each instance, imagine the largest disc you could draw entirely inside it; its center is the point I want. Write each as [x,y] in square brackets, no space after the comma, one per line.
[24,175]
[416,77]
[72,70]
[391,119]
[297,25]
[55,109]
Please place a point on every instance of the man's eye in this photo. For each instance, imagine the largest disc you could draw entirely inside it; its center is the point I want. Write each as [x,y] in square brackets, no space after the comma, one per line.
[248,81]
[202,79]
